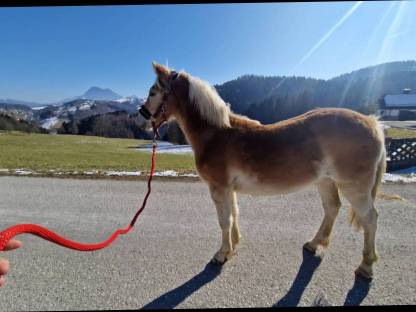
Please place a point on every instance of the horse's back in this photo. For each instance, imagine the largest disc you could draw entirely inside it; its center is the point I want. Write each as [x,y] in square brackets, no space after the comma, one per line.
[336,143]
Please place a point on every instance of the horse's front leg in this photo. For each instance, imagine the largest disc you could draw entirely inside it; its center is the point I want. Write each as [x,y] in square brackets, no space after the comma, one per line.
[223,199]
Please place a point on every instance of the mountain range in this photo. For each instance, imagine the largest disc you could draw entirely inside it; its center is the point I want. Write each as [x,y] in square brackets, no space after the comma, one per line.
[93,93]
[95,101]
[267,99]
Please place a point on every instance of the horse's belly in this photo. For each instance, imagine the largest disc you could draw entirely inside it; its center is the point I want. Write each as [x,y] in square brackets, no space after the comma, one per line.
[244,183]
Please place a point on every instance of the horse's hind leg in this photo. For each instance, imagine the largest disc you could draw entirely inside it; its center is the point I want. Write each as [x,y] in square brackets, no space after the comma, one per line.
[235,229]
[331,204]
[363,214]
[223,199]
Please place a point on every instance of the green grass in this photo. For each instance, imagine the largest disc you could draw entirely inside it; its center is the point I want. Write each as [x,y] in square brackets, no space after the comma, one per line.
[401,133]
[44,152]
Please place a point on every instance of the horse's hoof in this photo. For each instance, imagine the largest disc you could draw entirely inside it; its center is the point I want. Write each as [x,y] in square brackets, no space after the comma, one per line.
[307,246]
[360,272]
[218,262]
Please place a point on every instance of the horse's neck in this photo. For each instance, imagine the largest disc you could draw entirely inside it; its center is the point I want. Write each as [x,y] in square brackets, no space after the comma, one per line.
[196,130]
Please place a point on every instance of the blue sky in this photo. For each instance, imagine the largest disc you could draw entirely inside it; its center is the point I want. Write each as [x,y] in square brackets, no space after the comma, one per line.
[51,53]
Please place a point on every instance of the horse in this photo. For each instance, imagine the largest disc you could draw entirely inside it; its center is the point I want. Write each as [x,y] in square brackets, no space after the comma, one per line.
[336,149]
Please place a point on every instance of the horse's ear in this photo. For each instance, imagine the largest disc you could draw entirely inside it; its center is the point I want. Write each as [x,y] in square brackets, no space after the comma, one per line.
[163,74]
[160,70]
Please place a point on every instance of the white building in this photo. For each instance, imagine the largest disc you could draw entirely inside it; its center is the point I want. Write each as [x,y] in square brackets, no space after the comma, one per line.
[392,104]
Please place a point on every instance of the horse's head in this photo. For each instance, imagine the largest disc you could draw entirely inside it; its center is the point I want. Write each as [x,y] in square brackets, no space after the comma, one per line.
[171,94]
[162,99]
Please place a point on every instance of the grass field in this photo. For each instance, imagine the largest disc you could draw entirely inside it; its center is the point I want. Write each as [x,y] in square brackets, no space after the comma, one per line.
[397,133]
[44,152]
[73,153]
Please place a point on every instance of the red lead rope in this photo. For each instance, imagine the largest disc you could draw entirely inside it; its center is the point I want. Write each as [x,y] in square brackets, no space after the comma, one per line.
[40,231]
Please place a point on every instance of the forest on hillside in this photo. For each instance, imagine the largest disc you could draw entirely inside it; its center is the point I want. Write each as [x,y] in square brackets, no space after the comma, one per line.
[271,99]
[10,123]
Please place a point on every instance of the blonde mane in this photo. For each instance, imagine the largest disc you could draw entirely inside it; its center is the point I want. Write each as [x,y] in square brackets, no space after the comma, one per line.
[207,101]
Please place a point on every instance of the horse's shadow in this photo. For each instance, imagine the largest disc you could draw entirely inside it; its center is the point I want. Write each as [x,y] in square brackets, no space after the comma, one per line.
[309,264]
[174,297]
[358,292]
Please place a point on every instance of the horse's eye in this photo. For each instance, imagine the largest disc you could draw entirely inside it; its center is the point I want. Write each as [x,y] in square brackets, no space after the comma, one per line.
[152,94]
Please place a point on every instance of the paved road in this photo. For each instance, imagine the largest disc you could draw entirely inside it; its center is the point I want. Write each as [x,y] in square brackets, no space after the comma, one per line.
[162,264]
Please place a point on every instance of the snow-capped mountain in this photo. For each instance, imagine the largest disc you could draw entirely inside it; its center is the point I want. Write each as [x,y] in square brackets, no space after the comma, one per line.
[93,93]
[95,101]
[96,93]
[54,115]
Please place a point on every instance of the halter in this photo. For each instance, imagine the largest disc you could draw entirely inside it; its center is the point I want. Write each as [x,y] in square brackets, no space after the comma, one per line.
[161,109]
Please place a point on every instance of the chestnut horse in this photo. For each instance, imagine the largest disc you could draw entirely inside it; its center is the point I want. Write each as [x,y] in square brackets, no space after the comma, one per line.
[336,149]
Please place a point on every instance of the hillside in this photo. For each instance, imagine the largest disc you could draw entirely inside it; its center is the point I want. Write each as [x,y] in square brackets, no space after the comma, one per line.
[16,110]
[9,123]
[117,124]
[53,116]
[271,99]
[267,99]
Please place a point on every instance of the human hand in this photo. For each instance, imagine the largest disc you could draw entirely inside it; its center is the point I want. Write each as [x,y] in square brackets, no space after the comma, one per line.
[4,264]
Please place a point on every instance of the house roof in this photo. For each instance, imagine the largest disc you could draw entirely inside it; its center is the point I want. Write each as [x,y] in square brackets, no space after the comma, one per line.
[400,100]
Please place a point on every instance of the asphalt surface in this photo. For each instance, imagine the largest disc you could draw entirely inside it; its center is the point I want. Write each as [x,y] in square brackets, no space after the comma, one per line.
[163,262]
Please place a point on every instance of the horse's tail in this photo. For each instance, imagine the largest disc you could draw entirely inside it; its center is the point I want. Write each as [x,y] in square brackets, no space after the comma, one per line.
[381,166]
[380,170]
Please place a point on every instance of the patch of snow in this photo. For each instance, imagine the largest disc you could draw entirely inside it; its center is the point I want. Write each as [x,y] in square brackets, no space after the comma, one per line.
[122,100]
[72,109]
[85,106]
[90,172]
[22,172]
[123,173]
[192,175]
[391,177]
[167,148]
[49,122]
[166,173]
[384,126]
[38,107]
